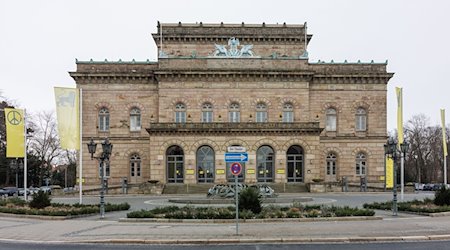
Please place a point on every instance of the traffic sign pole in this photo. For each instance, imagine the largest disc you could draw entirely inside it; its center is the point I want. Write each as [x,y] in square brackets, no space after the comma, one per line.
[236,169]
[237,203]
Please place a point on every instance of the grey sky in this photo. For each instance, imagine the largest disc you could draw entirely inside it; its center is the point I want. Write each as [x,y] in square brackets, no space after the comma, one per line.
[39,40]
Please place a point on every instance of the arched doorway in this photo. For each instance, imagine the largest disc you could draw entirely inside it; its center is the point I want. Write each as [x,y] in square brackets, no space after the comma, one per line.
[175,164]
[265,160]
[205,164]
[294,158]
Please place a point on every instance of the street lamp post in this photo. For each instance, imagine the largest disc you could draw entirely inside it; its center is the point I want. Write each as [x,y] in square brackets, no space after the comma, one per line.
[391,150]
[103,159]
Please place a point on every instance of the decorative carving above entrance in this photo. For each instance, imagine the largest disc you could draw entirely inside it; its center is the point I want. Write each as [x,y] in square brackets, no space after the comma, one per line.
[233,49]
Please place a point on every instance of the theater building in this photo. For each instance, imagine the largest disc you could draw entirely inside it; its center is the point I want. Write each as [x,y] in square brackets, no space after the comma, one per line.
[221,85]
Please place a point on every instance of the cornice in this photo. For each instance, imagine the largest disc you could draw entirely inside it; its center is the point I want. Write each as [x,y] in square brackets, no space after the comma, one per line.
[80,76]
[249,128]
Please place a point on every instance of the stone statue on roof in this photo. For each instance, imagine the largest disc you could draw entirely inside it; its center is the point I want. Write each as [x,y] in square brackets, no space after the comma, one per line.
[233,49]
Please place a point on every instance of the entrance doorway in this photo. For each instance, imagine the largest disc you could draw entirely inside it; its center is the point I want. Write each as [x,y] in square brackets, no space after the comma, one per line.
[175,164]
[295,164]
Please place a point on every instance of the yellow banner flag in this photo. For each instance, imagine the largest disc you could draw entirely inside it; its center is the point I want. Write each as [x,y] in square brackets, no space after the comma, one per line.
[15,133]
[389,172]
[67,112]
[444,136]
[399,114]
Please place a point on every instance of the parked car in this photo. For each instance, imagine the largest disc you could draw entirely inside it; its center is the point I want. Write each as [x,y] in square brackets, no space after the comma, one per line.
[427,187]
[437,186]
[22,191]
[46,189]
[3,193]
[10,191]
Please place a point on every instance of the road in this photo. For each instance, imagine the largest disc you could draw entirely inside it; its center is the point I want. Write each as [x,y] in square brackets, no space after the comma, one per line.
[435,245]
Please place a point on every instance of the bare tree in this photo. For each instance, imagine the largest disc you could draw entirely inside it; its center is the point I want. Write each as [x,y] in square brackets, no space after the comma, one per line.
[424,160]
[44,144]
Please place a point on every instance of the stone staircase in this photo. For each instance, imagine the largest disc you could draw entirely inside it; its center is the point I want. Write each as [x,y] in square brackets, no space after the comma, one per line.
[203,188]
[289,187]
[187,188]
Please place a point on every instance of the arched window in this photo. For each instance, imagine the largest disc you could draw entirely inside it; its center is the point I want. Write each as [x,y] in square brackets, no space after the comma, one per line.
[331,164]
[135,119]
[180,113]
[234,112]
[331,119]
[207,112]
[103,119]
[205,164]
[175,164]
[361,119]
[361,166]
[288,112]
[265,161]
[294,157]
[261,112]
[135,167]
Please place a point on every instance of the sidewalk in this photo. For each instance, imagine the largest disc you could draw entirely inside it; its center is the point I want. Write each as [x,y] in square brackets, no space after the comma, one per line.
[404,227]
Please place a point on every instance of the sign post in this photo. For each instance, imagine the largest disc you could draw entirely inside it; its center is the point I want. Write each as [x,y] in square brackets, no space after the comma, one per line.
[236,169]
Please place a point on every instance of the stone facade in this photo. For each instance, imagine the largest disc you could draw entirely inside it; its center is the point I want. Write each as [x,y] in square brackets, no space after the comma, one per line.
[273,77]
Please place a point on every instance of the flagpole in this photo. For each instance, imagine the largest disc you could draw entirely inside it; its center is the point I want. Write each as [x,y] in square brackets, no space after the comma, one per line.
[399,93]
[80,120]
[444,144]
[402,176]
[25,168]
[445,169]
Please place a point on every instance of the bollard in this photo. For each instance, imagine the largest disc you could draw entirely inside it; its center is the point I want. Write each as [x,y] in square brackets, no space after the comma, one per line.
[124,185]
[363,184]
[344,184]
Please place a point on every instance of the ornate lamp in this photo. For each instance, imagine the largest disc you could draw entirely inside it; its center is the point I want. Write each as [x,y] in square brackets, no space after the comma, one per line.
[107,148]
[92,146]
[404,147]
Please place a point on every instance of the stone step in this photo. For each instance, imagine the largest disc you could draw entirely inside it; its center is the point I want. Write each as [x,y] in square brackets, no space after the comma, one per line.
[203,188]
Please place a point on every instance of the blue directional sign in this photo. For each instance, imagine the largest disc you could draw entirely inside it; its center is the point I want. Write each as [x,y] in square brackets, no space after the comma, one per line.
[236,157]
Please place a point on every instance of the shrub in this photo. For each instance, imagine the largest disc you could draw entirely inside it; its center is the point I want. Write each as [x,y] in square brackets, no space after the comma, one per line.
[246,214]
[347,211]
[15,201]
[40,200]
[250,199]
[140,214]
[163,210]
[442,196]
[116,207]
[293,213]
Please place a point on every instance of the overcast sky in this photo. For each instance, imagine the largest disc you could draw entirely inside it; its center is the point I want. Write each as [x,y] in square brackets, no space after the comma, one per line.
[39,40]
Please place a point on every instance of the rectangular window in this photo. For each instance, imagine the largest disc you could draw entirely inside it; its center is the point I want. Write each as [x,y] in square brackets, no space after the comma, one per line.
[331,168]
[288,116]
[135,123]
[361,168]
[106,169]
[331,123]
[103,123]
[261,116]
[234,116]
[360,123]
[207,116]
[180,117]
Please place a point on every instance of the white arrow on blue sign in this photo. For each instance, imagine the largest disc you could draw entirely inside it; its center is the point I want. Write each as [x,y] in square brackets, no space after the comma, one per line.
[236,157]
